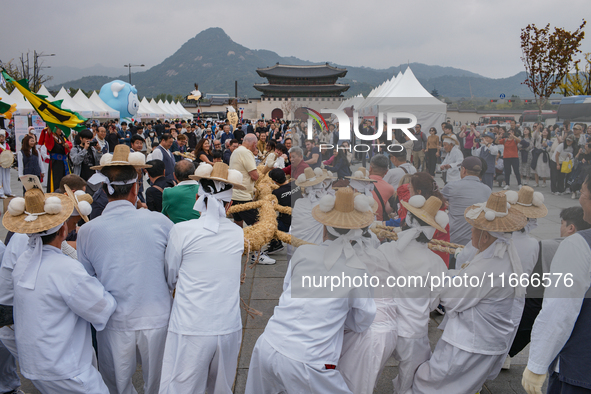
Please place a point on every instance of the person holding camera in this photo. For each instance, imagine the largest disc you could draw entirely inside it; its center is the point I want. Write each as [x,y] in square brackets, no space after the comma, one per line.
[84,154]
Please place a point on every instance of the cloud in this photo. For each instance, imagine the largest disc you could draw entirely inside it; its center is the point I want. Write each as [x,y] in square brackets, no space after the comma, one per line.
[480,36]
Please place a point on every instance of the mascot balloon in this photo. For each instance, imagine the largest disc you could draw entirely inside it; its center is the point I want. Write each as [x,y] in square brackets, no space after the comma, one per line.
[121,96]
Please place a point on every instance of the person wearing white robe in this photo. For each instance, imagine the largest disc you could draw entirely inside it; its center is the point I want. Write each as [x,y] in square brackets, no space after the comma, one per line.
[410,258]
[453,161]
[205,328]
[300,354]
[9,380]
[125,249]
[478,322]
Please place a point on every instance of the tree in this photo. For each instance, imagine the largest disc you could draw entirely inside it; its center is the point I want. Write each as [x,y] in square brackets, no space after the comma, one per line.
[288,106]
[24,69]
[579,82]
[548,58]
[435,93]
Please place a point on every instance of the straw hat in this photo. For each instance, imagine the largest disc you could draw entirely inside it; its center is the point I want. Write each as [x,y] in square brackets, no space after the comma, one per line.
[37,212]
[361,175]
[428,211]
[528,202]
[329,174]
[122,156]
[219,172]
[82,202]
[310,177]
[344,210]
[495,215]
[373,203]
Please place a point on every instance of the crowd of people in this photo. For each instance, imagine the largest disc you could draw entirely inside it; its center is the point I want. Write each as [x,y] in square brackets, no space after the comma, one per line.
[102,275]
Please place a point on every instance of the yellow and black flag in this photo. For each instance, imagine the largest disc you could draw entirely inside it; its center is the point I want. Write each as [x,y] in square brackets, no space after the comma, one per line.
[51,112]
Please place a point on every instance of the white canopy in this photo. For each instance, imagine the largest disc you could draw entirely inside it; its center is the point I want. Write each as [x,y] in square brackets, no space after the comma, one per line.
[145,111]
[23,107]
[162,108]
[97,112]
[99,103]
[43,91]
[186,114]
[69,103]
[408,95]
[170,109]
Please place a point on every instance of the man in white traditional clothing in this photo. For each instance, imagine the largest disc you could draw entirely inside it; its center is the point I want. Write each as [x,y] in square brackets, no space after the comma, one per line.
[410,257]
[561,335]
[301,345]
[205,329]
[54,299]
[303,225]
[453,161]
[478,321]
[125,248]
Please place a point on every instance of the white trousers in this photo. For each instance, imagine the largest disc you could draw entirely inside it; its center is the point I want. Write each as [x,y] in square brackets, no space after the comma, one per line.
[5,181]
[118,351]
[88,382]
[364,354]
[195,363]
[8,339]
[452,370]
[9,379]
[270,372]
[410,352]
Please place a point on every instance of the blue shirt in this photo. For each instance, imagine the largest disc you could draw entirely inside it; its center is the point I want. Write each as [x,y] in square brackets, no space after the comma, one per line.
[124,248]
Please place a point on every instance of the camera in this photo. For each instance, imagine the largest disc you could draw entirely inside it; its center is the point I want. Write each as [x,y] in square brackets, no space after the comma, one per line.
[93,143]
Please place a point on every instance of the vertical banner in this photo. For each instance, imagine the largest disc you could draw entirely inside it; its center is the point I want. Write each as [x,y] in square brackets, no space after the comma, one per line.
[21,127]
[38,124]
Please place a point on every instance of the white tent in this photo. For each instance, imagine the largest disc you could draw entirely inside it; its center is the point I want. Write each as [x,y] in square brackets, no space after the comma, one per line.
[155,110]
[99,103]
[380,92]
[23,107]
[69,103]
[145,111]
[43,91]
[172,110]
[159,109]
[186,114]
[163,108]
[408,95]
[97,112]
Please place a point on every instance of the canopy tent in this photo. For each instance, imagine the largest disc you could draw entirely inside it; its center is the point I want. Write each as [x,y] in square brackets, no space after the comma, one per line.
[354,102]
[382,91]
[175,112]
[186,114]
[43,91]
[145,111]
[408,95]
[23,107]
[155,110]
[158,109]
[69,103]
[97,112]
[99,103]
[162,108]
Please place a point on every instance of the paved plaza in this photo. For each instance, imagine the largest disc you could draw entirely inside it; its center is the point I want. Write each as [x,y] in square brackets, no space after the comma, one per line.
[263,286]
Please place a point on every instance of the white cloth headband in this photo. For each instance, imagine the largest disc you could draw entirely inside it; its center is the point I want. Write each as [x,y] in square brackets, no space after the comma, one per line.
[315,192]
[32,258]
[415,229]
[343,245]
[214,210]
[481,207]
[364,187]
[99,177]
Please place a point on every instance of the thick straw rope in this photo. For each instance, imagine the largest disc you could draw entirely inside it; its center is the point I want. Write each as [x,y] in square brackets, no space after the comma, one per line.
[437,245]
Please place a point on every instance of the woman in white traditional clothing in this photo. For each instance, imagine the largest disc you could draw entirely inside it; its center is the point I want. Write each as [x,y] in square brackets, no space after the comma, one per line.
[478,323]
[205,328]
[55,299]
[408,257]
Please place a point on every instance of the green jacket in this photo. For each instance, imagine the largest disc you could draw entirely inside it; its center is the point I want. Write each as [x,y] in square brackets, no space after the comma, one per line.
[178,201]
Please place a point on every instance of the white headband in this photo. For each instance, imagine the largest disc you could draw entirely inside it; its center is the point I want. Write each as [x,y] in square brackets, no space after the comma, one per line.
[343,245]
[364,187]
[32,258]
[214,209]
[99,177]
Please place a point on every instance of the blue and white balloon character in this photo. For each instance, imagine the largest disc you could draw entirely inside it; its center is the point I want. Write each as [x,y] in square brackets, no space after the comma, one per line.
[121,96]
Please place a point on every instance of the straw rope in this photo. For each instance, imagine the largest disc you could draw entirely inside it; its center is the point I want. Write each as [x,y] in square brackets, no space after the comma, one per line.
[438,245]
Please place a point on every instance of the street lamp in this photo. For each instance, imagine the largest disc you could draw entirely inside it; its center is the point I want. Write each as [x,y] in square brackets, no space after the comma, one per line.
[130,66]
[37,67]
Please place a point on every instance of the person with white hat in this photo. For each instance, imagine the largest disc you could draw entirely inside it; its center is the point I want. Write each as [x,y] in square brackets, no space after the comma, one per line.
[300,347]
[54,299]
[453,161]
[124,248]
[561,334]
[415,303]
[5,190]
[205,328]
[478,320]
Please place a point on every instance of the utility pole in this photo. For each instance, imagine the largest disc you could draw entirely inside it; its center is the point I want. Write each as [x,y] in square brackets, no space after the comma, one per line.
[130,66]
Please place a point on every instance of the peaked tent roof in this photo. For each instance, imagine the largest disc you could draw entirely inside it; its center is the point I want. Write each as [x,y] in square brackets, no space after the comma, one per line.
[69,103]
[43,90]
[111,113]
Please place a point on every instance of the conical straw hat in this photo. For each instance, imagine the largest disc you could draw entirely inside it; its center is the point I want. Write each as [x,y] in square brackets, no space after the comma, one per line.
[75,199]
[34,203]
[496,204]
[122,156]
[219,172]
[364,178]
[343,213]
[311,178]
[427,212]
[528,202]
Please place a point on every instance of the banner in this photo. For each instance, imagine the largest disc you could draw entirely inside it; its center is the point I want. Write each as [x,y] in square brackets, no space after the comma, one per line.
[21,128]
[38,124]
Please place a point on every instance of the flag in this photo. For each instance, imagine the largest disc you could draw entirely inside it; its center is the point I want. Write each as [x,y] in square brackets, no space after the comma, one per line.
[7,109]
[50,111]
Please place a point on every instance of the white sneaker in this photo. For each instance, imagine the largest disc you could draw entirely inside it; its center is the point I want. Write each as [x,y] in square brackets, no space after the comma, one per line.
[263,259]
[506,187]
[519,187]
[574,196]
[507,363]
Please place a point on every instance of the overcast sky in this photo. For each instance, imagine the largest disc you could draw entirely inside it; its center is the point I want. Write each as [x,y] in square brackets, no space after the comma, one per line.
[481,36]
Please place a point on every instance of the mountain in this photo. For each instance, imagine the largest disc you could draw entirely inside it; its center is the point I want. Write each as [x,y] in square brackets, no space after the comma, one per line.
[214,61]
[63,74]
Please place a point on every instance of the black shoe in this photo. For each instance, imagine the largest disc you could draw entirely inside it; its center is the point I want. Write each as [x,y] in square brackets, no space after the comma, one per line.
[440,309]
[274,248]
